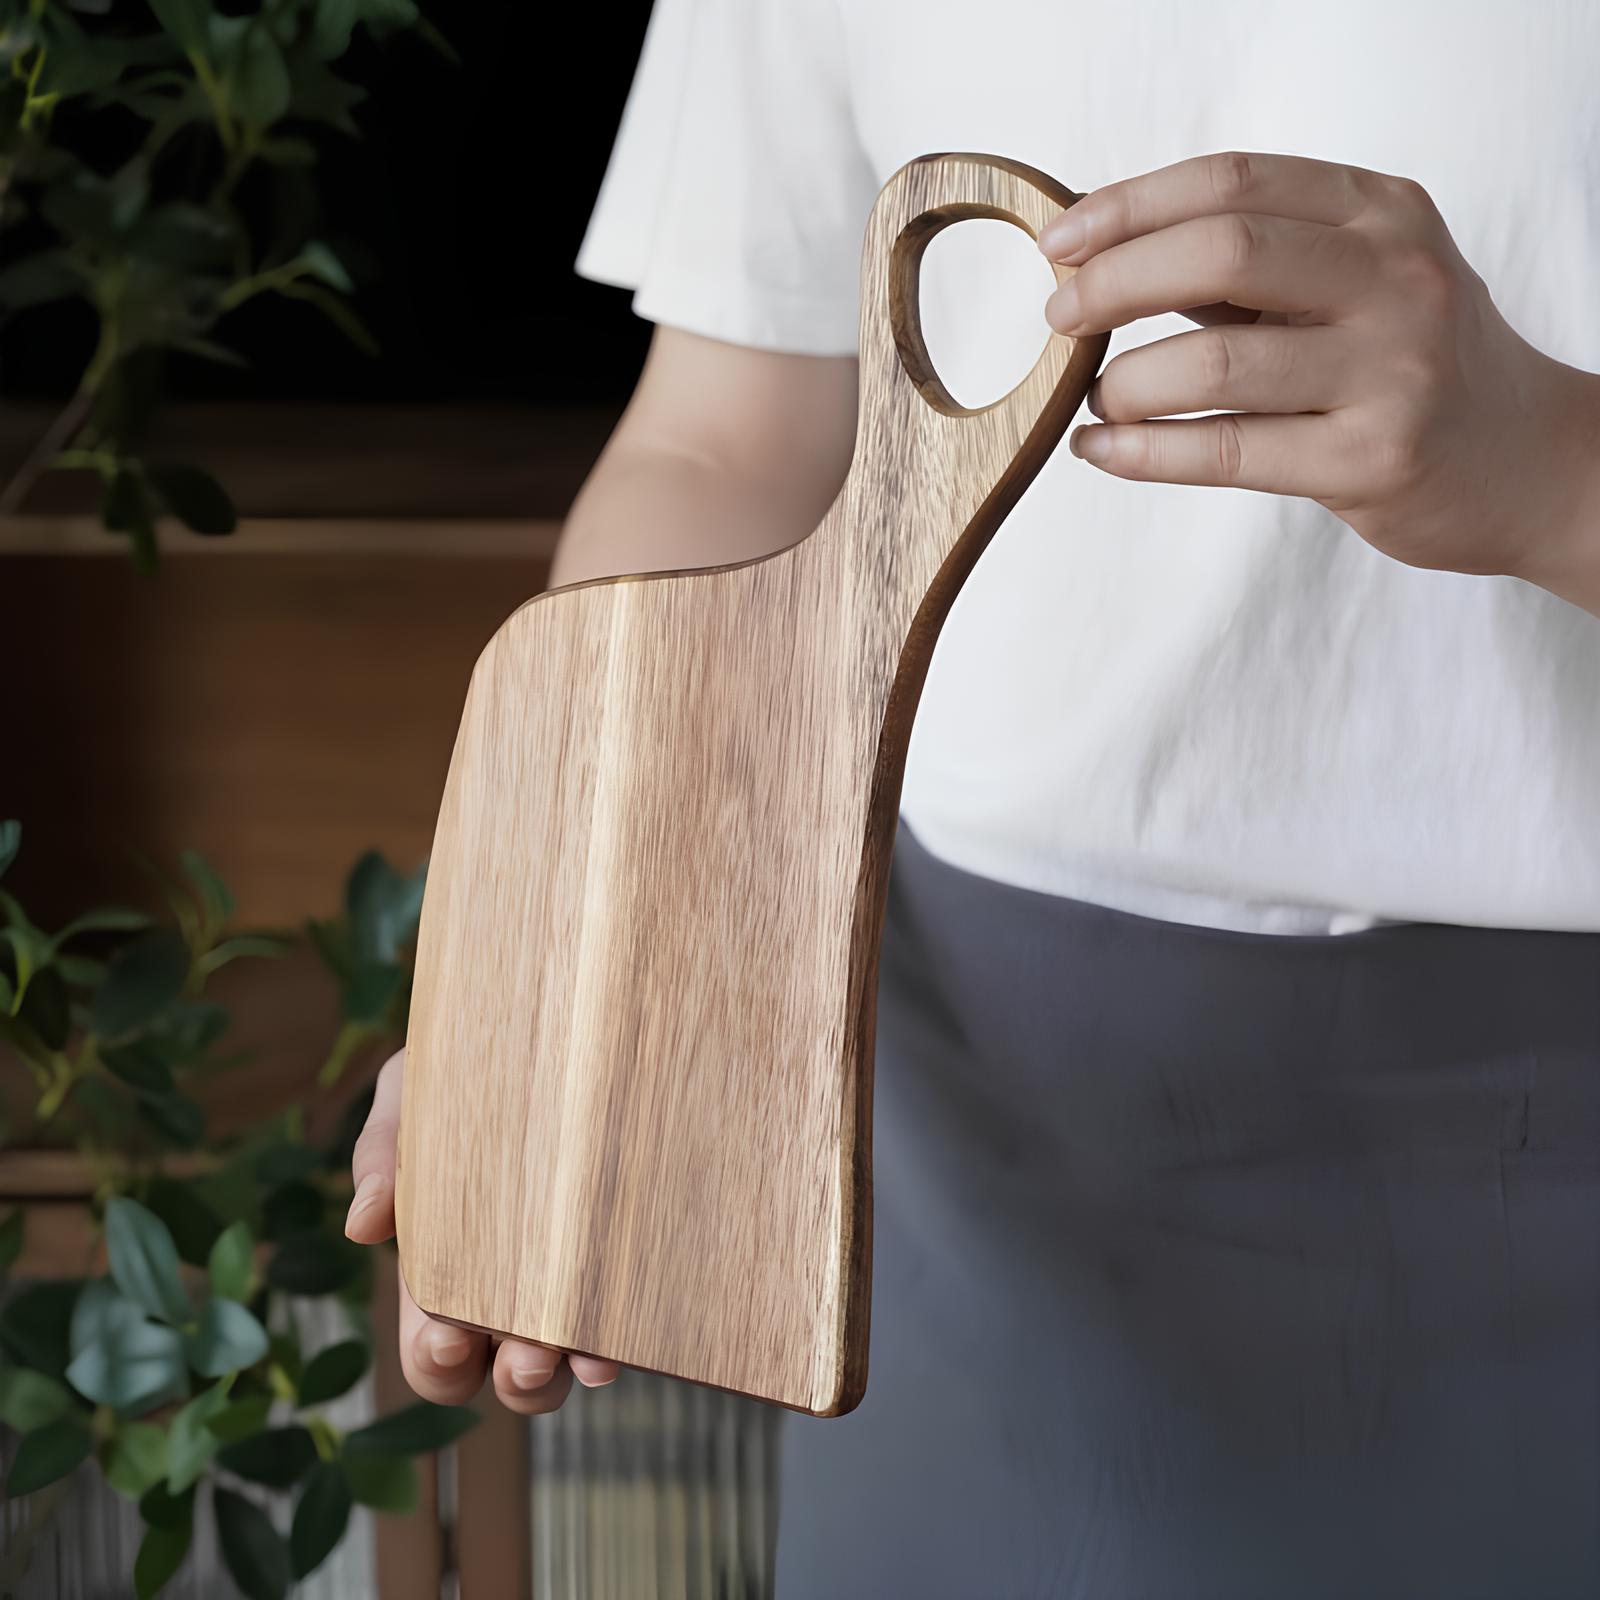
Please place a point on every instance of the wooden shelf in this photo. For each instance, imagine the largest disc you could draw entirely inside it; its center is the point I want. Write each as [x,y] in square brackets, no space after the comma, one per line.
[78,534]
[449,464]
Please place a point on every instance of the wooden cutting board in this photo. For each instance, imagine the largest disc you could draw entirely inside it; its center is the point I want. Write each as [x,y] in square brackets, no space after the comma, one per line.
[638,1092]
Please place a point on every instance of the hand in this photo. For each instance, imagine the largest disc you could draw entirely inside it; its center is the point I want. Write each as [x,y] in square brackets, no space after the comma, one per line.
[1365,361]
[442,1362]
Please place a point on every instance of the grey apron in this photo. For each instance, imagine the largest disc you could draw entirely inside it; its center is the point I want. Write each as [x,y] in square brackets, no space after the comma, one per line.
[1220,1265]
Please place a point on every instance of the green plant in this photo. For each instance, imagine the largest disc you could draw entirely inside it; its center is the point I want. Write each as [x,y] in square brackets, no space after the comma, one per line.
[209,106]
[181,1371]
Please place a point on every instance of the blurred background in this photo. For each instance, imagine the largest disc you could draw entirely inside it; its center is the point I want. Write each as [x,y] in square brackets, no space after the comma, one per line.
[296,384]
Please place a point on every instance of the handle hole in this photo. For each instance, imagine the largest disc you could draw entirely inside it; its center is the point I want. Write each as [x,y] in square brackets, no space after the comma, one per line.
[982,286]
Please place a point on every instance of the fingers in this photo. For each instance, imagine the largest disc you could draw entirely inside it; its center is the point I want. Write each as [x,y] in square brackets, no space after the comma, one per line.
[1268,263]
[530,1379]
[1252,368]
[442,1362]
[1267,185]
[592,1372]
[371,1216]
[1281,455]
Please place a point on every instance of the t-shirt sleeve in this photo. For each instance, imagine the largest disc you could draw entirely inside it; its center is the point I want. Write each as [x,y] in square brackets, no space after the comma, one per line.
[738,191]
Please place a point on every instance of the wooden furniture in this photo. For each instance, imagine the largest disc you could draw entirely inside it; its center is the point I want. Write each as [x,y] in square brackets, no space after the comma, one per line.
[638,1093]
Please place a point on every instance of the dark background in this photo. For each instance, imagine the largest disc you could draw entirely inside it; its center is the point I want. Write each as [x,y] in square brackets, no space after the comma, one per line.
[460,211]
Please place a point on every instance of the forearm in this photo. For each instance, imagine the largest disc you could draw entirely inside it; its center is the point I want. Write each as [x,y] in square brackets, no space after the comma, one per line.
[650,509]
[724,454]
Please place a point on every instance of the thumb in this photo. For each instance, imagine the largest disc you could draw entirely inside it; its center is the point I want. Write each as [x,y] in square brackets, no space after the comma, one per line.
[371,1217]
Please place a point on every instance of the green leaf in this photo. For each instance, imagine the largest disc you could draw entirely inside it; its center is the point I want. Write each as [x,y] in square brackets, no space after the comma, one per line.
[131,1368]
[288,152]
[136,1458]
[163,1509]
[38,279]
[277,1457]
[382,1483]
[85,206]
[35,1326]
[419,1429]
[226,1338]
[286,1353]
[290,1209]
[185,20]
[320,1518]
[210,350]
[332,25]
[319,260]
[10,843]
[251,1547]
[435,40]
[313,1263]
[321,95]
[216,898]
[192,1443]
[202,505]
[183,236]
[268,946]
[146,977]
[11,1239]
[189,1030]
[332,941]
[255,77]
[286,1163]
[144,1260]
[193,1223]
[99,1311]
[125,503]
[371,992]
[161,1553]
[232,1267]
[337,312]
[30,1400]
[239,1419]
[46,1008]
[48,1454]
[143,546]
[81,972]
[175,1117]
[105,919]
[334,1371]
[383,906]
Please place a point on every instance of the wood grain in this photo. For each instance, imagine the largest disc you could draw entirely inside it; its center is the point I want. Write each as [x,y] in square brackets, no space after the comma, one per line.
[638,1095]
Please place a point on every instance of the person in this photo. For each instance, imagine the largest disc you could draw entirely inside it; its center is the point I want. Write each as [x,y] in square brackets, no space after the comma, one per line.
[1238,1096]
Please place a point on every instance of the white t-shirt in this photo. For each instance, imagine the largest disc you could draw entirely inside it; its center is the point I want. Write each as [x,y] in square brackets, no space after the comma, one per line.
[1202,704]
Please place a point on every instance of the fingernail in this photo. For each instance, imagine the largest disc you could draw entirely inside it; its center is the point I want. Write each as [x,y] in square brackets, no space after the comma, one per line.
[1063,237]
[531,1370]
[1090,444]
[365,1198]
[1065,311]
[1094,400]
[597,1383]
[449,1347]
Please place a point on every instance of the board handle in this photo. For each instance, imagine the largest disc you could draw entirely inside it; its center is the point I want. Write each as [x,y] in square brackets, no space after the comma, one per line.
[922,199]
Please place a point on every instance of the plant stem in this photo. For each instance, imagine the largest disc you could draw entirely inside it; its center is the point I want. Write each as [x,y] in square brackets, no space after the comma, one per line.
[59,434]
[51,442]
[211,87]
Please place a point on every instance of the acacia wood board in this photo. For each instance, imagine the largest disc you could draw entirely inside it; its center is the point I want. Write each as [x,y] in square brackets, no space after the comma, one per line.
[637,1105]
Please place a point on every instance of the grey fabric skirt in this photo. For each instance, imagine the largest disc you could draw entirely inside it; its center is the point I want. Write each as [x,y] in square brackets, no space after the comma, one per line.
[1212,1264]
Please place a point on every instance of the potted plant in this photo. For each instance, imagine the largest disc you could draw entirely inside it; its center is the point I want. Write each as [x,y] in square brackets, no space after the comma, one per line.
[180,1368]
[206,202]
